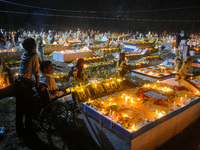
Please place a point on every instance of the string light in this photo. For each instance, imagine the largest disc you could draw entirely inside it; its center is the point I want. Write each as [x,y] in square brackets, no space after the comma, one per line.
[103,18]
[83,11]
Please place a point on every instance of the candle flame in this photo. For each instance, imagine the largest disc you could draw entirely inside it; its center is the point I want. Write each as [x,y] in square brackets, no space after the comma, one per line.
[197,93]
[118,80]
[133,128]
[125,115]
[131,100]
[160,115]
[126,98]
[166,89]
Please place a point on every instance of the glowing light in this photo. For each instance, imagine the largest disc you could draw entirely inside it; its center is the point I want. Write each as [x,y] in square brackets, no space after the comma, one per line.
[160,115]
[133,128]
[146,85]
[157,81]
[150,73]
[132,100]
[16,74]
[125,115]
[126,98]
[166,89]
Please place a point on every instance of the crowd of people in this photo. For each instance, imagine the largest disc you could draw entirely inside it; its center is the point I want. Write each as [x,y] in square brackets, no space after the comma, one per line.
[9,40]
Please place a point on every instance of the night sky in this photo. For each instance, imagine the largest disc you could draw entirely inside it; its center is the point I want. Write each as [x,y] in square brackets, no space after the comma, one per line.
[104,15]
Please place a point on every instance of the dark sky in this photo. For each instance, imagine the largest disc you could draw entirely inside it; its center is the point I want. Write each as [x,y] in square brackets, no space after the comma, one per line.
[117,15]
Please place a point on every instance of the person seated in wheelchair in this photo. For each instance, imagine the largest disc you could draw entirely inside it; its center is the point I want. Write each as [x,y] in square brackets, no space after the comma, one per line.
[45,77]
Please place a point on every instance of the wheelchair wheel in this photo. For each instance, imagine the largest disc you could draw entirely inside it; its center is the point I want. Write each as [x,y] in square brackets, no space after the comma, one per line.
[73,117]
[53,115]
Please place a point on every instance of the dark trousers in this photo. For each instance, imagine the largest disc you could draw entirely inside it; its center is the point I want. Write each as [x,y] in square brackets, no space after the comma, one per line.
[24,104]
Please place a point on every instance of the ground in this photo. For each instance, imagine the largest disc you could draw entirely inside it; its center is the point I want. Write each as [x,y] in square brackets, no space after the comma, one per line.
[68,137]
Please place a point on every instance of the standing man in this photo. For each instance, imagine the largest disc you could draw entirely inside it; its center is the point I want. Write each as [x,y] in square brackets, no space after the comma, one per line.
[17,38]
[178,39]
[40,48]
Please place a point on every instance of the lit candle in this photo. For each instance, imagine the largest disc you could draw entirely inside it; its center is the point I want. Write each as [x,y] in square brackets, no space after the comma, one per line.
[125,115]
[102,110]
[145,120]
[133,128]
[160,115]
[113,113]
[181,100]
[117,118]
[131,101]
[126,100]
[174,105]
[110,113]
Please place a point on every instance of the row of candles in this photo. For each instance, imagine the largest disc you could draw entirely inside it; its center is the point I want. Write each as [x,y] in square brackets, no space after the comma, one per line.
[129,101]
[159,88]
[7,50]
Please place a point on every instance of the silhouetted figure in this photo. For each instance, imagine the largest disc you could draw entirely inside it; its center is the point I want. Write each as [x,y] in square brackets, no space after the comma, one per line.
[178,39]
[23,87]
[17,37]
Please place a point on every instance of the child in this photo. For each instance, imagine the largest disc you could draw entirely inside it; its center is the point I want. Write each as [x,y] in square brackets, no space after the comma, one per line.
[47,69]
[23,87]
[78,75]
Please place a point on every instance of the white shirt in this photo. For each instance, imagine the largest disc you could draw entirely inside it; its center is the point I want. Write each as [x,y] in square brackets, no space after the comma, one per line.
[47,78]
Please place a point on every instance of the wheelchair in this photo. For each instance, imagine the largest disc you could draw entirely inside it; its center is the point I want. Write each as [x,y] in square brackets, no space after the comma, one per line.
[51,114]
